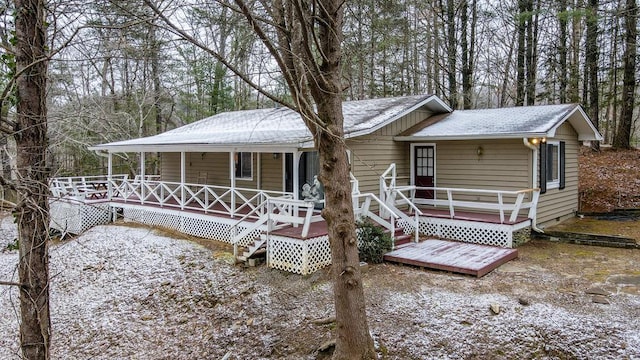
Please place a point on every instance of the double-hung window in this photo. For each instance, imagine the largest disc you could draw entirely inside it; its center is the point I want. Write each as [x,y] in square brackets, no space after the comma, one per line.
[552,165]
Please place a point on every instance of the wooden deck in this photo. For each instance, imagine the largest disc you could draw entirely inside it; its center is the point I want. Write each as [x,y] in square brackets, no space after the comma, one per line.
[458,257]
[316,229]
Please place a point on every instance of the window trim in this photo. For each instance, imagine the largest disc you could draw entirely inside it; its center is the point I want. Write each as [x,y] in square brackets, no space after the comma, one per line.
[545,154]
[553,183]
[238,166]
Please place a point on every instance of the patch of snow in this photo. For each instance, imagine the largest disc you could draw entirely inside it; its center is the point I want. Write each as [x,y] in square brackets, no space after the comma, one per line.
[121,292]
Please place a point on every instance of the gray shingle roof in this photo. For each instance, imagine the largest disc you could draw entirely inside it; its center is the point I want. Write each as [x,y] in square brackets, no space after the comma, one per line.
[279,126]
[512,122]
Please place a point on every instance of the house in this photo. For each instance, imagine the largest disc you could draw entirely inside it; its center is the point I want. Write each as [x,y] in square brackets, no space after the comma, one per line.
[249,177]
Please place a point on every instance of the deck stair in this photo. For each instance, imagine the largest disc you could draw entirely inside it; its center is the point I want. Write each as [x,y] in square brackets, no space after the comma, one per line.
[254,248]
[400,238]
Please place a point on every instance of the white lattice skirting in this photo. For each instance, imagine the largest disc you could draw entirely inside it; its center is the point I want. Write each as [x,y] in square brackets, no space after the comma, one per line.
[200,225]
[72,216]
[298,256]
[471,231]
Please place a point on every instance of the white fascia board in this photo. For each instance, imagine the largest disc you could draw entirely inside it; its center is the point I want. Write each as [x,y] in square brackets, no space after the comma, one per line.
[198,148]
[592,135]
[438,104]
[471,137]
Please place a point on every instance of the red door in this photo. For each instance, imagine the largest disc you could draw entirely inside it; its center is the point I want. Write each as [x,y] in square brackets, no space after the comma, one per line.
[424,170]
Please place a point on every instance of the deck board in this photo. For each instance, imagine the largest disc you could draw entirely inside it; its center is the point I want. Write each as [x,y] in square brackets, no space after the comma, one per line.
[464,258]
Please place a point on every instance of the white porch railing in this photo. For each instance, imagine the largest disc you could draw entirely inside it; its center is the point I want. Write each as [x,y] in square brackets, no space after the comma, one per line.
[505,203]
[206,198]
[83,187]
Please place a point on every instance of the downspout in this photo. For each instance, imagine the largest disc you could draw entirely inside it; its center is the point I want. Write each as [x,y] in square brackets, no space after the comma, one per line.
[534,148]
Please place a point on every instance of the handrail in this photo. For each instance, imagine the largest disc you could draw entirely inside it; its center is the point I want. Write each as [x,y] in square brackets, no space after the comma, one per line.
[364,211]
[416,213]
[355,184]
[499,205]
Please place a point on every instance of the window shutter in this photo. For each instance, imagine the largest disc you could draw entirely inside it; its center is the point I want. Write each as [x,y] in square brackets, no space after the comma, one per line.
[543,168]
[562,164]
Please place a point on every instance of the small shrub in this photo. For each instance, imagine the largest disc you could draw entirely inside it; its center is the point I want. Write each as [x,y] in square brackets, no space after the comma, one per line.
[373,242]
[13,245]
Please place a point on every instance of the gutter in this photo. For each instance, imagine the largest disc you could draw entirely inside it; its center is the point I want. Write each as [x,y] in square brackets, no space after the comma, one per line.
[534,148]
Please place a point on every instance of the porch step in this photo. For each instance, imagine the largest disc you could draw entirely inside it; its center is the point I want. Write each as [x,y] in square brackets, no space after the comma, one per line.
[400,237]
[257,248]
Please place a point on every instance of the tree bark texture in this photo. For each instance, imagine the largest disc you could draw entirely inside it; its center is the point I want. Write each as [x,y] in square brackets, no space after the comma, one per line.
[622,139]
[353,340]
[591,60]
[32,210]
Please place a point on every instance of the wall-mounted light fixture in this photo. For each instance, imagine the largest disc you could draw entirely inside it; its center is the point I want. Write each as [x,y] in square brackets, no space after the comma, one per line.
[276,156]
[536,141]
[479,151]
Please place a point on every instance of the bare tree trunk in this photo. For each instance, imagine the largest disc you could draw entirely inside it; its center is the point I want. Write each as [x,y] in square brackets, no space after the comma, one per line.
[591,63]
[451,54]
[623,135]
[562,49]
[32,209]
[574,71]
[353,340]
[467,58]
[520,53]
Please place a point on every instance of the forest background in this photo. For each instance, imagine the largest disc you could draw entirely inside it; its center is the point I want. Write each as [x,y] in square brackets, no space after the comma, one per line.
[122,74]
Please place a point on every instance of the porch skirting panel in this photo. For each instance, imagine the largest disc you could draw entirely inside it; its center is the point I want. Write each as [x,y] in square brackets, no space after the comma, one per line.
[199,225]
[75,217]
[298,256]
[475,232]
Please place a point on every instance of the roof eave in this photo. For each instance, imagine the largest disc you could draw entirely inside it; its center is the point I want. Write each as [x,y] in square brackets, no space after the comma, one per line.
[264,147]
[473,137]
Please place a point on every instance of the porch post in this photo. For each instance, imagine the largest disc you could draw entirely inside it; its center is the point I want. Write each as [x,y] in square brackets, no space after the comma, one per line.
[183,177]
[142,176]
[296,179]
[232,177]
[259,172]
[109,175]
[296,174]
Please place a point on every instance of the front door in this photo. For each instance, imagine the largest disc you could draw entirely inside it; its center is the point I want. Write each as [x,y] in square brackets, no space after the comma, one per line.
[424,170]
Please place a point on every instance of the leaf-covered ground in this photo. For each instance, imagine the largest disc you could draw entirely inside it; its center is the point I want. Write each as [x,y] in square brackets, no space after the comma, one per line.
[609,179]
[121,292]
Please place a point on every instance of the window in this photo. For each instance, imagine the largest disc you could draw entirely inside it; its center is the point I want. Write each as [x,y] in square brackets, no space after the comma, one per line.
[552,165]
[243,165]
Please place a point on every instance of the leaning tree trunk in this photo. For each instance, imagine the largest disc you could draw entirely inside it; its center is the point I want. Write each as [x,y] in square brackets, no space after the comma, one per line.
[32,210]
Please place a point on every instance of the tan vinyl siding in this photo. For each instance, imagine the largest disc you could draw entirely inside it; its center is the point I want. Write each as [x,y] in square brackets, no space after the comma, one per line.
[503,165]
[271,172]
[372,154]
[170,167]
[556,203]
[211,168]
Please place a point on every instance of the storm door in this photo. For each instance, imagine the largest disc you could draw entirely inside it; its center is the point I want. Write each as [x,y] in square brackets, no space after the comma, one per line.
[424,170]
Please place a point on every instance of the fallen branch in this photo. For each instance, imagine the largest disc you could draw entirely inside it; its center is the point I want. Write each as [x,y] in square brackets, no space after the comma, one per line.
[324,321]
[11,283]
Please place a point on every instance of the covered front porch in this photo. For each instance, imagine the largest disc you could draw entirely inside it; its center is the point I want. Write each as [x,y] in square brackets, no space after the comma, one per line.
[291,229]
